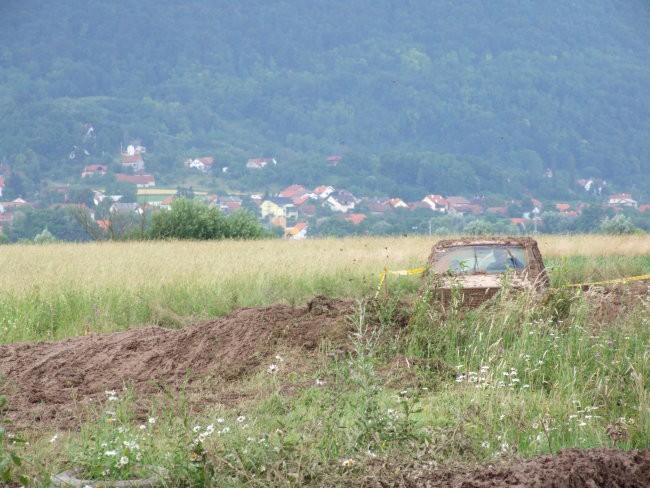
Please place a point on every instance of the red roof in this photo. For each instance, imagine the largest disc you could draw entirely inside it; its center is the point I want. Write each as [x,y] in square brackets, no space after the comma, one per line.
[300,200]
[207,160]
[562,207]
[519,221]
[356,219]
[643,208]
[293,191]
[136,179]
[2,181]
[96,167]
[131,159]
[103,224]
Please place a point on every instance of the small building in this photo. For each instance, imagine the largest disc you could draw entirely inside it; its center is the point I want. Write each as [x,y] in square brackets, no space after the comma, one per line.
[323,191]
[341,201]
[297,232]
[294,191]
[94,170]
[334,160]
[276,207]
[259,163]
[140,180]
[622,200]
[203,165]
[436,202]
[135,162]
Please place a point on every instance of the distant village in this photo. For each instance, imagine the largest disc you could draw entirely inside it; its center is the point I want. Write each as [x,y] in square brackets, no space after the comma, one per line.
[292,211]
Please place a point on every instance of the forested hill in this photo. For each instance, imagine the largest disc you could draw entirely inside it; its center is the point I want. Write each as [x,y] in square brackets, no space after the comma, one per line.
[417,96]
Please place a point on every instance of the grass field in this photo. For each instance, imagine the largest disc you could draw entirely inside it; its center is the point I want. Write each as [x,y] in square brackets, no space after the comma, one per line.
[61,290]
[515,378]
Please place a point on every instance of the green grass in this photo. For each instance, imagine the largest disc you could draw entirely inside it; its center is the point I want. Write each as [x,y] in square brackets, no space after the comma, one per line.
[518,377]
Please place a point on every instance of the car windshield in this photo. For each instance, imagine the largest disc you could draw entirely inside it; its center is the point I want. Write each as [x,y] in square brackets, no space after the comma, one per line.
[482,259]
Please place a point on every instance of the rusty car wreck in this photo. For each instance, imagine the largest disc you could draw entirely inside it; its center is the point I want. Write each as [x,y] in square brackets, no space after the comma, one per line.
[475,269]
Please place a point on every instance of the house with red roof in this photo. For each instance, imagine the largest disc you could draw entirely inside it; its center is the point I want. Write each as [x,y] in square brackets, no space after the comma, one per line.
[562,207]
[2,184]
[293,192]
[334,160]
[94,170]
[459,205]
[140,180]
[397,203]
[341,201]
[323,191]
[135,162]
[201,164]
[166,204]
[436,202]
[297,232]
[643,208]
[622,200]
[259,163]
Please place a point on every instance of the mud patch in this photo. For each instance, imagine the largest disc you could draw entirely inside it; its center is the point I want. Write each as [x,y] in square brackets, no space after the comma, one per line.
[45,381]
[570,468]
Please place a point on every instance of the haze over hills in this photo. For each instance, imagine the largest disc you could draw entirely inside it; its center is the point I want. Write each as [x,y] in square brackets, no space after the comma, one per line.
[417,97]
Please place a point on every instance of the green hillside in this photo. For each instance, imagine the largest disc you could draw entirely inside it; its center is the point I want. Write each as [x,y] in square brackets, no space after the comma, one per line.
[418,97]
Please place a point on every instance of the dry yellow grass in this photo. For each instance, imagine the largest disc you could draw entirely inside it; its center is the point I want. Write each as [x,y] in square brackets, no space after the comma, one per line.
[133,265]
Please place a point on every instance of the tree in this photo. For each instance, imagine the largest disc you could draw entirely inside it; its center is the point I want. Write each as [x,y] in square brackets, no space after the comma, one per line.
[618,225]
[479,228]
[44,237]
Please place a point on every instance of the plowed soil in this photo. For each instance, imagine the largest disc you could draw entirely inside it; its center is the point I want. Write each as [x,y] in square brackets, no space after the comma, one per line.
[570,468]
[46,381]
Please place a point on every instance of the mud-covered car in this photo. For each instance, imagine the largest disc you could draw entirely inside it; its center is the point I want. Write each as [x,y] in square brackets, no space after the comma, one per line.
[475,268]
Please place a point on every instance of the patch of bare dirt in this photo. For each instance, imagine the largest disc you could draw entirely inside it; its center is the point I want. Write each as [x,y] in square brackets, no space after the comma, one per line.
[44,381]
[569,468]
[611,302]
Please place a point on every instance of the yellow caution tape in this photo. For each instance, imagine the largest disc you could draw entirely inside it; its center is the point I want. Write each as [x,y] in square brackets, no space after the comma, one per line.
[406,272]
[609,282]
[401,272]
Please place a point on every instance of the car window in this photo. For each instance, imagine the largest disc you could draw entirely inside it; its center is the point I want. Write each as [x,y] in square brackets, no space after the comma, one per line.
[483,259]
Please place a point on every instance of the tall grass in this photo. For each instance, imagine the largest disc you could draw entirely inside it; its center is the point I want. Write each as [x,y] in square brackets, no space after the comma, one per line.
[61,290]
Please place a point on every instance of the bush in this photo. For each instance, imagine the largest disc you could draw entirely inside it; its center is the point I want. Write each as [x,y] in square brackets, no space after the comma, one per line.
[192,220]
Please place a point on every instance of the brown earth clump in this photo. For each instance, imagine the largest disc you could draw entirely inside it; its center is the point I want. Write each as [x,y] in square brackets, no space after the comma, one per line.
[569,468]
[46,381]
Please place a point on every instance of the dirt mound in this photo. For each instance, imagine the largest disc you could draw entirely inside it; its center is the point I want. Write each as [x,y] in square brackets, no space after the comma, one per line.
[572,468]
[45,380]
